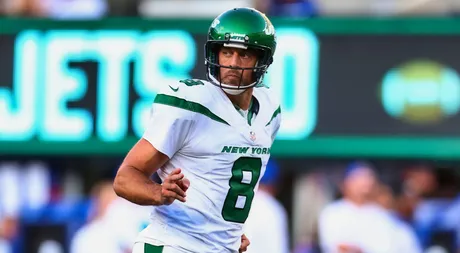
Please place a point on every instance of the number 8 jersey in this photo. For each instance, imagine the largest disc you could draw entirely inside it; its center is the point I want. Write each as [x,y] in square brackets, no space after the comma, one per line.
[222,151]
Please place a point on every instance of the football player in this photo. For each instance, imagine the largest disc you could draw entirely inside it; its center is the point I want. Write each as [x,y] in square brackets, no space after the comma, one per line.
[209,141]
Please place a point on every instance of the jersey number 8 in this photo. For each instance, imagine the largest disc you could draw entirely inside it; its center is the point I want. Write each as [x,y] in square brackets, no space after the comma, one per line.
[245,174]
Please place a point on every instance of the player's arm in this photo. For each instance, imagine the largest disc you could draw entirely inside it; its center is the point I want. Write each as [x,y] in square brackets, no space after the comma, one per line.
[167,132]
[133,180]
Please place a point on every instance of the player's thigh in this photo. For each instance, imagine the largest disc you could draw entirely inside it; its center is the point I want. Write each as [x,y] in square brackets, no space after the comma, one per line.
[147,248]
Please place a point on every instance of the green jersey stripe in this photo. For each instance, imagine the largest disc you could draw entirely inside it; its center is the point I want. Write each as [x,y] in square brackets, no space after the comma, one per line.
[148,248]
[278,111]
[187,105]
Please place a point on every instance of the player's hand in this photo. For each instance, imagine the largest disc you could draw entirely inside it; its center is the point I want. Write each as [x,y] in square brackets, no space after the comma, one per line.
[244,244]
[184,184]
[174,187]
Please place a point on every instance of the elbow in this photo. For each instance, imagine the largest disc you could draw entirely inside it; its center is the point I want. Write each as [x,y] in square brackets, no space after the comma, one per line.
[118,184]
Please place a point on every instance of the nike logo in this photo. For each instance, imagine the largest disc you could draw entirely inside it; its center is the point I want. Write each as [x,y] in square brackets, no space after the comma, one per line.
[175,90]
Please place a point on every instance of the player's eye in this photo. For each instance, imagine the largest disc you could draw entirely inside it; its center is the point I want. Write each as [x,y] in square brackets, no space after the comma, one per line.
[226,53]
[247,56]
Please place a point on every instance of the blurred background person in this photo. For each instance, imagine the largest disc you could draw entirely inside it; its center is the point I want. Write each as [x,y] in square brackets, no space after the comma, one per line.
[450,220]
[8,231]
[31,8]
[418,183]
[356,223]
[98,234]
[74,9]
[436,217]
[113,223]
[10,204]
[267,223]
[69,9]
[311,193]
[406,239]
[290,8]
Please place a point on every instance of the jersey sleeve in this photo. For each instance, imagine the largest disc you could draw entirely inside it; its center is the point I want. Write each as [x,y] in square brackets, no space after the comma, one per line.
[169,125]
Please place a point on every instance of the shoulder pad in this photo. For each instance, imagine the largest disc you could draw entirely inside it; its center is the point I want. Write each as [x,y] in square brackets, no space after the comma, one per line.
[195,90]
[270,96]
[181,89]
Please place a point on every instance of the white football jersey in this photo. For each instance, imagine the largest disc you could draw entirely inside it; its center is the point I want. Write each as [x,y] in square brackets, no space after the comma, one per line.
[221,152]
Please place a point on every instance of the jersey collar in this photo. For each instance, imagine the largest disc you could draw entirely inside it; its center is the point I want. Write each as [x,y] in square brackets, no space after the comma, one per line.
[252,111]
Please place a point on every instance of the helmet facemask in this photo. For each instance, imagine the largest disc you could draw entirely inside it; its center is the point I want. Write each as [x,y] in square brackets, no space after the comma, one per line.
[212,48]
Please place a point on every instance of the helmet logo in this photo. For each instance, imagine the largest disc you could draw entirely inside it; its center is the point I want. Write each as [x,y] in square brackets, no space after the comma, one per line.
[215,23]
[237,37]
[269,29]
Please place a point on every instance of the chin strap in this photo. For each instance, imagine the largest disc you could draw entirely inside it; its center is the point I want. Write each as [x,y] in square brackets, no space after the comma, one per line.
[228,88]
[233,91]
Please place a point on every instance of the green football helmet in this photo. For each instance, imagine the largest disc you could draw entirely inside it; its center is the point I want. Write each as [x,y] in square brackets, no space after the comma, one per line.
[244,28]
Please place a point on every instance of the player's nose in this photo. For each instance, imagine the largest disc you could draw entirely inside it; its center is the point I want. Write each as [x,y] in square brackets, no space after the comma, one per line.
[235,60]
